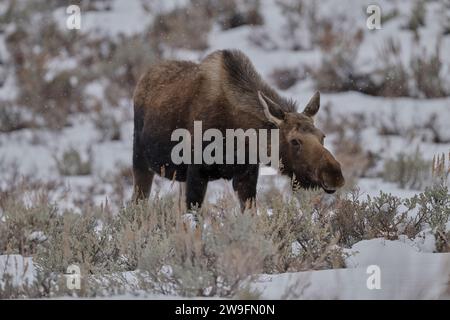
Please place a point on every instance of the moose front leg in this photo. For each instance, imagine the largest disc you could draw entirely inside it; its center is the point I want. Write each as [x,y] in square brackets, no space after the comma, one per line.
[245,186]
[196,185]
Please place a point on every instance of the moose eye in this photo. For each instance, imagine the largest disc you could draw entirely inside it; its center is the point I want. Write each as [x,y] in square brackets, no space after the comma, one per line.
[296,143]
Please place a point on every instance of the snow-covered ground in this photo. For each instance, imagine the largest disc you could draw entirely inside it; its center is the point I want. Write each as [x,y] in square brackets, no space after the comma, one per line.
[405,273]
[408,269]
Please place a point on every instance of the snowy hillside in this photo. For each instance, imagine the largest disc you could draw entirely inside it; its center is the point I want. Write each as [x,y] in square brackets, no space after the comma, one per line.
[66,122]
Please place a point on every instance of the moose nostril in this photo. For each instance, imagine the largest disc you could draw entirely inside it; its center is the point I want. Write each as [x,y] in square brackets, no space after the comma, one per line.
[339,178]
[333,177]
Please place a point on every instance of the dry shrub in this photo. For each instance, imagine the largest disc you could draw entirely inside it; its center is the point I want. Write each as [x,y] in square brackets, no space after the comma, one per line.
[389,217]
[392,76]
[439,213]
[433,207]
[233,14]
[216,258]
[212,259]
[445,11]
[188,27]
[120,180]
[224,251]
[409,171]
[116,64]
[228,247]
[391,79]
[25,211]
[71,163]
[432,126]
[440,168]
[13,118]
[53,91]
[261,39]
[293,11]
[22,226]
[346,135]
[79,239]
[300,16]
[417,17]
[337,71]
[285,78]
[375,217]
[300,230]
[394,79]
[95,5]
[388,16]
[14,284]
[339,51]
[128,59]
[388,125]
[141,227]
[182,28]
[429,130]
[108,125]
[349,220]
[50,95]
[427,72]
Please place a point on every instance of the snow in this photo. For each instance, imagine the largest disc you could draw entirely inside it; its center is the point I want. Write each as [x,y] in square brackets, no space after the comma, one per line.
[409,268]
[405,274]
[20,270]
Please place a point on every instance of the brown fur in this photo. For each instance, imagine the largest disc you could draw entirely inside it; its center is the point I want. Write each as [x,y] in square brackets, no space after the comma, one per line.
[222,92]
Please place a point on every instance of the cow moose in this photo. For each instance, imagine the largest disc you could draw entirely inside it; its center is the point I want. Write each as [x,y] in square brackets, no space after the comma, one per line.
[223,91]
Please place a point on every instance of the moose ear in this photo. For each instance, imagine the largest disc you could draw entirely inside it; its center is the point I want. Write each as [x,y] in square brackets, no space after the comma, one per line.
[313,105]
[272,111]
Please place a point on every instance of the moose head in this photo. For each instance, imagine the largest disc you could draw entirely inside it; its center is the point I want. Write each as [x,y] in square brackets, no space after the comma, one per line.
[303,155]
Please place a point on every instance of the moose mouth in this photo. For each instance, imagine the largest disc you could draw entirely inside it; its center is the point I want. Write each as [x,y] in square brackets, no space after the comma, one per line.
[312,184]
[328,189]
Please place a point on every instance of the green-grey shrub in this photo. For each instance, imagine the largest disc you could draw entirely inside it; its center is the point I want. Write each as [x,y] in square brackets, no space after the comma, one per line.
[408,171]
[71,164]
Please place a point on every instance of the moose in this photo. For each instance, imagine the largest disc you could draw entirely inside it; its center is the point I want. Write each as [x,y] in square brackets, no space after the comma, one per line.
[223,91]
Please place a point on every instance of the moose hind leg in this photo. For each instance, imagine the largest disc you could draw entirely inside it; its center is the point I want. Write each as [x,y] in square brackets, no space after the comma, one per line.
[245,186]
[143,179]
[196,186]
[142,176]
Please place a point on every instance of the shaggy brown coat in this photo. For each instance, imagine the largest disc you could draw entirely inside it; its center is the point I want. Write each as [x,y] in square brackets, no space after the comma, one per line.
[224,91]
